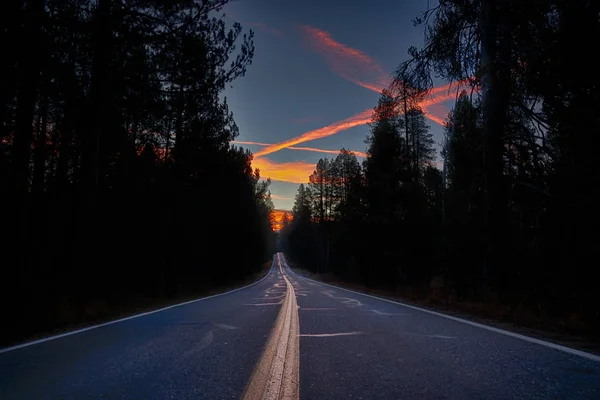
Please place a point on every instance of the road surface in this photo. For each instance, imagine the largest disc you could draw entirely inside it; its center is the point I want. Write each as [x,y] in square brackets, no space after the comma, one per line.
[288,337]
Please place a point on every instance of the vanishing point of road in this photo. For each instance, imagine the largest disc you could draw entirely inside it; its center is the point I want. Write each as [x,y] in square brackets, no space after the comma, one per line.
[288,337]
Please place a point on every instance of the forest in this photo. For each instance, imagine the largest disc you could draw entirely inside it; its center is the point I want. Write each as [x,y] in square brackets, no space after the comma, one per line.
[507,213]
[118,182]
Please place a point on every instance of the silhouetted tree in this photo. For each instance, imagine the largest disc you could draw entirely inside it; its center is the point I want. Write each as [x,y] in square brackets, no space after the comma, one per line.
[421,147]
[302,236]
[516,199]
[117,175]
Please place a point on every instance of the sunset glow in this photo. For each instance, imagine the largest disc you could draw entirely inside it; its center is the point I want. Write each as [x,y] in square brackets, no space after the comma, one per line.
[293,171]
[277,217]
[440,95]
[277,197]
[356,67]
[298,171]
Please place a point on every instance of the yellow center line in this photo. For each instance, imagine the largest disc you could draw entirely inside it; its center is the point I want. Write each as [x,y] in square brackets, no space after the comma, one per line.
[277,373]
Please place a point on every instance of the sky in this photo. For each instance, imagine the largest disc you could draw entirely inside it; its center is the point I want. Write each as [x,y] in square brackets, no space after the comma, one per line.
[317,72]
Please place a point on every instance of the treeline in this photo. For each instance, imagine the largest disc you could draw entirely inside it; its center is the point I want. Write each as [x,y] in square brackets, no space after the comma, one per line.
[510,214]
[118,181]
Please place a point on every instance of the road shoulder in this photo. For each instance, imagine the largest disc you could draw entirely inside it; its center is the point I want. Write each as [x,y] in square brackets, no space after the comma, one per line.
[587,343]
[143,308]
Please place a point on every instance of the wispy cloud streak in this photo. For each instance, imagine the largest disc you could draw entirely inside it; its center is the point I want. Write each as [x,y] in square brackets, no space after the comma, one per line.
[329,130]
[363,70]
[350,122]
[277,197]
[313,149]
[349,63]
[354,66]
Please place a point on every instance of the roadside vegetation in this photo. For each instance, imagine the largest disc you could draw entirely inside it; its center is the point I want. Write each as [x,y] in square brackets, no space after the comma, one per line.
[505,218]
[119,187]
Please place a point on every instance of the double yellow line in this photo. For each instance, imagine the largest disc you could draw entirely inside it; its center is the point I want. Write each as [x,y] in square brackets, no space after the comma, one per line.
[277,374]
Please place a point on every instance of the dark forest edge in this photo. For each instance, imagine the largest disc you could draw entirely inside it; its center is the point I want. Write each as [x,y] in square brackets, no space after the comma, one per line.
[499,315]
[510,219]
[118,182]
[98,312]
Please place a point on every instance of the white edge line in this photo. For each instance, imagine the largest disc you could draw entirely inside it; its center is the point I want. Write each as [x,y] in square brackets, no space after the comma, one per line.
[89,328]
[551,345]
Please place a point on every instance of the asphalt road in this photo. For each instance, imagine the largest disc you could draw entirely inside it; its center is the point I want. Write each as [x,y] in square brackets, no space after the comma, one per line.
[351,346]
[354,346]
[202,350]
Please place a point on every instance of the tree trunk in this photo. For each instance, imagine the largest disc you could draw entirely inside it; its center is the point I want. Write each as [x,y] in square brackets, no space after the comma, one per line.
[495,104]
[415,144]
[39,164]
[99,91]
[178,146]
[28,88]
[405,103]
[67,125]
[167,139]
[61,177]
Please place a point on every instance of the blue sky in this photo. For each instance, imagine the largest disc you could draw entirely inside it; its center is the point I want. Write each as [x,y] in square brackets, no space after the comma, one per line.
[310,61]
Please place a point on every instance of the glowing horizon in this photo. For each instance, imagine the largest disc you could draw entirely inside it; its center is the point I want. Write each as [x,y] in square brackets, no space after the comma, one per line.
[291,171]
[277,218]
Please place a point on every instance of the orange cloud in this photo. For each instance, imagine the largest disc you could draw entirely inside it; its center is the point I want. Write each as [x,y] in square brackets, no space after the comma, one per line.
[354,65]
[298,171]
[277,197]
[252,143]
[294,171]
[329,130]
[316,150]
[357,153]
[433,110]
[349,63]
[440,94]
[434,118]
